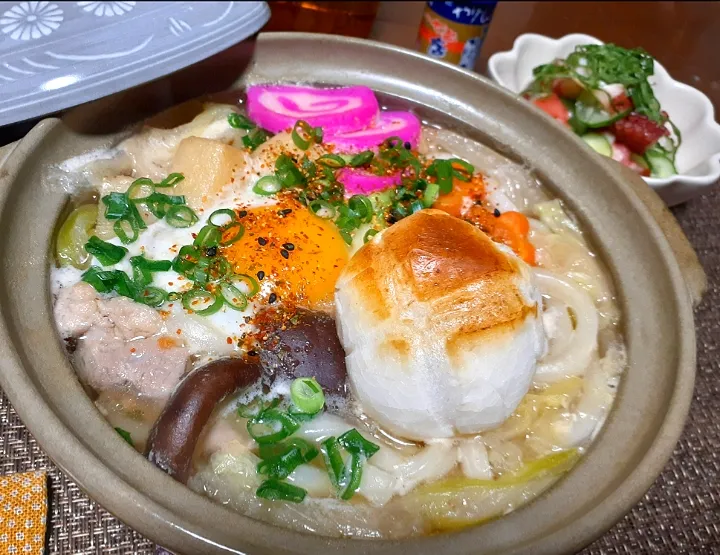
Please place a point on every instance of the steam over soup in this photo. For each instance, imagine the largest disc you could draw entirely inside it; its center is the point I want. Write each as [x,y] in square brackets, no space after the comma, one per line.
[332,317]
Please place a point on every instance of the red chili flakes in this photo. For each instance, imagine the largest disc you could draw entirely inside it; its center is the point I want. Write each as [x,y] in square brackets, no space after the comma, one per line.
[229,340]
[133,349]
[178,331]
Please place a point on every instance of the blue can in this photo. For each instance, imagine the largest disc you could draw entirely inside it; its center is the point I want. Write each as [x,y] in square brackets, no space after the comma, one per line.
[455,31]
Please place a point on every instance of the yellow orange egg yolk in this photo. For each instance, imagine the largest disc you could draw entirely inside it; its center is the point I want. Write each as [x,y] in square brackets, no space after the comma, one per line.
[300,254]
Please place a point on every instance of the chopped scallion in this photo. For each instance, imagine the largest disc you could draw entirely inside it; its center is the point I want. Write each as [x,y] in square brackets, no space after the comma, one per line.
[307,395]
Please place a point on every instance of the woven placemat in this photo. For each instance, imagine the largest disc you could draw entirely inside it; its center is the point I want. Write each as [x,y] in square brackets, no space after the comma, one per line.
[679,515]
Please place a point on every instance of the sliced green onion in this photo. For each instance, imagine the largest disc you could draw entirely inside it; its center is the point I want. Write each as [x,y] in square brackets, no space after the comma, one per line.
[126,230]
[219,268]
[267,185]
[467,169]
[356,444]
[281,466]
[186,259]
[233,297]
[143,187]
[392,143]
[307,450]
[331,161]
[369,234]
[134,216]
[318,134]
[151,296]
[200,273]
[255,138]
[347,236]
[211,302]
[171,180]
[105,281]
[123,284]
[310,168]
[152,265]
[361,159]
[333,461]
[208,236]
[322,209]
[416,206]
[181,216]
[280,491]
[255,407]
[125,435]
[287,172]
[247,285]
[271,426]
[212,220]
[174,296]
[443,171]
[106,253]
[239,121]
[361,205]
[431,194]
[101,280]
[116,205]
[307,395]
[233,237]
[353,482]
[301,142]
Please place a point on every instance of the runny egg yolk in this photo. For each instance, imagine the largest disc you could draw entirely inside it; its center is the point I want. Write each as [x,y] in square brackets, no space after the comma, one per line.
[300,254]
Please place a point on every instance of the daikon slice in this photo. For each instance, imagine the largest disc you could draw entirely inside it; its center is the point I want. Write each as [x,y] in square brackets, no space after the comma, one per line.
[389,124]
[277,107]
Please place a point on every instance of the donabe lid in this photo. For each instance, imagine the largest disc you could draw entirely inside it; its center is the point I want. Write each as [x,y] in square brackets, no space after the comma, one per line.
[54,55]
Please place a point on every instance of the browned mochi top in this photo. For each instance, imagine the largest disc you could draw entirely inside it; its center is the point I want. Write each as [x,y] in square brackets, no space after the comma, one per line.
[469,284]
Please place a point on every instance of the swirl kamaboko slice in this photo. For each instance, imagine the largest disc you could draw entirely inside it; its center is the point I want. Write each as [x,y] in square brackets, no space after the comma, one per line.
[340,110]
[361,182]
[389,124]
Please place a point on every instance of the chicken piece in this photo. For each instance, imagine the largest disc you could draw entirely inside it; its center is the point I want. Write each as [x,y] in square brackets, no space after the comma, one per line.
[152,366]
[76,309]
[131,319]
[79,307]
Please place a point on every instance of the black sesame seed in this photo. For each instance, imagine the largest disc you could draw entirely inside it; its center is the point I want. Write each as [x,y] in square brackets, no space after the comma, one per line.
[262,241]
[496,213]
[211,251]
[252,353]
[272,298]
[289,246]
[285,254]
[285,211]
[261,275]
[407,146]
[242,213]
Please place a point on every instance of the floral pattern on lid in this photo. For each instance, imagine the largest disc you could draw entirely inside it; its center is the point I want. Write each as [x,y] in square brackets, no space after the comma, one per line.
[31,20]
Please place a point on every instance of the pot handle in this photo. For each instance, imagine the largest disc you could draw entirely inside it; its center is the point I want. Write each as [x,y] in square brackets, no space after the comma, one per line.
[686,257]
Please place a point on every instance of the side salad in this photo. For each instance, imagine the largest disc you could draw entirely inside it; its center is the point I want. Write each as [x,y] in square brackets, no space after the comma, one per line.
[603,93]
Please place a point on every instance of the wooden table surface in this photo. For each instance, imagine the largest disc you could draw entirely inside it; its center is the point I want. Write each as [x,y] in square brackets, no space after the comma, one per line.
[683,36]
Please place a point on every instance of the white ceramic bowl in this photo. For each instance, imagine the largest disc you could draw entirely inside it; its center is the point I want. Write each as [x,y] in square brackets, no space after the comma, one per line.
[698,158]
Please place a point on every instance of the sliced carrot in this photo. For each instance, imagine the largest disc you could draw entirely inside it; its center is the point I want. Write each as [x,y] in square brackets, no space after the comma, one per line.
[463,195]
[514,222]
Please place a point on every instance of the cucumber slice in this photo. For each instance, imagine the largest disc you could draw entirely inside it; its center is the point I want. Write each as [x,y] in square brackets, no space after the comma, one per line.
[660,165]
[598,143]
[590,112]
[639,160]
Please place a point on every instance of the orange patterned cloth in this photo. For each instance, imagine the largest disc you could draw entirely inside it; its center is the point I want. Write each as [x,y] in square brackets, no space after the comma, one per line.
[23,513]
